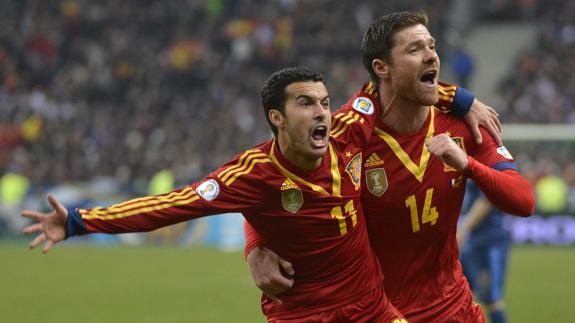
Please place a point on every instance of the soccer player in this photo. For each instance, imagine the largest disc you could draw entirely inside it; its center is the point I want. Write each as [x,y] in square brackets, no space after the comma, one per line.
[299,190]
[484,241]
[415,170]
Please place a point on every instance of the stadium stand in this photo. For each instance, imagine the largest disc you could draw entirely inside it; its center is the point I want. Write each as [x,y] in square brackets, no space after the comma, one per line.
[123,89]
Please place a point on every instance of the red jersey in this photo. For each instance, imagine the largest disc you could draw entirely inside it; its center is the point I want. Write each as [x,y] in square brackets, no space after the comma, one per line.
[312,218]
[412,202]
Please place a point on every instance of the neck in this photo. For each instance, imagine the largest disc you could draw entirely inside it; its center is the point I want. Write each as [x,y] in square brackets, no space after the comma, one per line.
[401,114]
[295,156]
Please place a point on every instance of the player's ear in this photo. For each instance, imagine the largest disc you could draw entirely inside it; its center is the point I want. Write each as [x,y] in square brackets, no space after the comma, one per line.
[381,68]
[277,118]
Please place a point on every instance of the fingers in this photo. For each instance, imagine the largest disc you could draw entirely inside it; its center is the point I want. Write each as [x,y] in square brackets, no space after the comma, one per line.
[274,298]
[493,128]
[497,122]
[477,134]
[496,131]
[491,110]
[287,266]
[33,228]
[38,240]
[36,216]
[47,246]
[56,205]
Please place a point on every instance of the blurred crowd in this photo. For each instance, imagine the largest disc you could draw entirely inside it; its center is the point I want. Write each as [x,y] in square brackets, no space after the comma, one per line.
[540,88]
[127,88]
[124,89]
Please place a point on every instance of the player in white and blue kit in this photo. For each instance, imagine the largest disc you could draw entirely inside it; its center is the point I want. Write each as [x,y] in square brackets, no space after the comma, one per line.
[484,241]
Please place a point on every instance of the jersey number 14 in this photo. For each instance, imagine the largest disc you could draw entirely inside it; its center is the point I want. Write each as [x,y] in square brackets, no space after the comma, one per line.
[428,214]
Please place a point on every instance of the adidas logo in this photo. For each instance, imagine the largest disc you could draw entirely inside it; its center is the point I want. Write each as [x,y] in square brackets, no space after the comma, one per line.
[373,160]
[288,185]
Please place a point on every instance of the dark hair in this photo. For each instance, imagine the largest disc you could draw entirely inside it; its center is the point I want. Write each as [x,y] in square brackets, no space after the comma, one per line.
[378,40]
[273,93]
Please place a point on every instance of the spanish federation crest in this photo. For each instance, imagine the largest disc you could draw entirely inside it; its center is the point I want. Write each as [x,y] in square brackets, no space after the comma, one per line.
[353,169]
[292,198]
[376,181]
[459,142]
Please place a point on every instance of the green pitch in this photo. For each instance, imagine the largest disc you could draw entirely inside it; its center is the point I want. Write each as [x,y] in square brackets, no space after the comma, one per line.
[76,283]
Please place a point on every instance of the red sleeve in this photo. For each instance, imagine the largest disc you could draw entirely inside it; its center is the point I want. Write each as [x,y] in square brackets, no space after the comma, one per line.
[253,239]
[505,189]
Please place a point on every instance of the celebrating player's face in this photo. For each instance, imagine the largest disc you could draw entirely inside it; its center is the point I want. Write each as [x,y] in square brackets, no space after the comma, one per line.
[307,122]
[415,65]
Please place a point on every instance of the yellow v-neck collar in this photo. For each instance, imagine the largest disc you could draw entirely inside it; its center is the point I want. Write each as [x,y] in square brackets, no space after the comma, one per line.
[417,170]
[336,176]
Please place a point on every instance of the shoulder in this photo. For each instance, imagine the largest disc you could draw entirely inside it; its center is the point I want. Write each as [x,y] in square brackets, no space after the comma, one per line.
[249,166]
[455,128]
[364,101]
[354,121]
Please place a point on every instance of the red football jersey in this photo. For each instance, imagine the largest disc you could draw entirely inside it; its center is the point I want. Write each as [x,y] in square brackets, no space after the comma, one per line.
[412,202]
[313,219]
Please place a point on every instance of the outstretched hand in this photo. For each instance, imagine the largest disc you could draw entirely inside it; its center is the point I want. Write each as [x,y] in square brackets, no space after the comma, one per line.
[483,115]
[50,226]
[266,269]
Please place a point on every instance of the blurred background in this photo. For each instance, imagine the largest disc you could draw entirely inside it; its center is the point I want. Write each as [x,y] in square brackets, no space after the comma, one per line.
[101,101]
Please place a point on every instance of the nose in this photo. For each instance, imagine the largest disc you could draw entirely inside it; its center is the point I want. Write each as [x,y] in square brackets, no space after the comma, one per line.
[430,56]
[320,112]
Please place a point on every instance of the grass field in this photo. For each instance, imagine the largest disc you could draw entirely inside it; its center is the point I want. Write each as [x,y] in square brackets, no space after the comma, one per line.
[170,284]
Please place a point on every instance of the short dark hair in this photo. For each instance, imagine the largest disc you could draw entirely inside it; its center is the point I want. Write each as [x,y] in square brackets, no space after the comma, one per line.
[378,40]
[273,93]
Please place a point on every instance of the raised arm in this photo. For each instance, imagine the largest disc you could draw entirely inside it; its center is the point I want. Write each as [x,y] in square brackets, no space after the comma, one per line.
[504,187]
[462,104]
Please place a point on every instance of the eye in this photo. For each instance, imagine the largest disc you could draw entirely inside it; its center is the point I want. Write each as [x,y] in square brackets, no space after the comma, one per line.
[325,104]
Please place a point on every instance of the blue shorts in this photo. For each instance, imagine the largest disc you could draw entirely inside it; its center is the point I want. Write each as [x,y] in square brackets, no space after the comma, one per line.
[485,267]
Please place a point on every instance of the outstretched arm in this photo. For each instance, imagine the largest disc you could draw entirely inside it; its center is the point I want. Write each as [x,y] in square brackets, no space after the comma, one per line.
[51,227]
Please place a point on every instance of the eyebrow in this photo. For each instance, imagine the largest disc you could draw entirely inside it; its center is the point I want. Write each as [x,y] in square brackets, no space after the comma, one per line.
[430,41]
[305,96]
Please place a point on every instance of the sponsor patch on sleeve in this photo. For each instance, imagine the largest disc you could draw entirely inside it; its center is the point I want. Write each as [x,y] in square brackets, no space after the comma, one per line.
[363,105]
[209,189]
[504,152]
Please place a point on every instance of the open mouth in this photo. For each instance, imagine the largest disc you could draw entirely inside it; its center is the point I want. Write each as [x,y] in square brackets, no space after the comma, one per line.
[319,136]
[429,78]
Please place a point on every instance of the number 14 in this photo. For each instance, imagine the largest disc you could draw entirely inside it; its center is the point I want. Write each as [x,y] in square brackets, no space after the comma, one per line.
[428,215]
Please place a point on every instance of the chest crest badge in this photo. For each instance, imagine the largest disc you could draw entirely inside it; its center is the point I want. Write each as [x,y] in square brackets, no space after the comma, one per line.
[292,197]
[376,181]
[353,169]
[459,142]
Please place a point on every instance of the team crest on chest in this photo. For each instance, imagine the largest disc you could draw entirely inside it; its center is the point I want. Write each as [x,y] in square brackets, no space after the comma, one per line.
[459,142]
[353,169]
[376,181]
[292,197]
